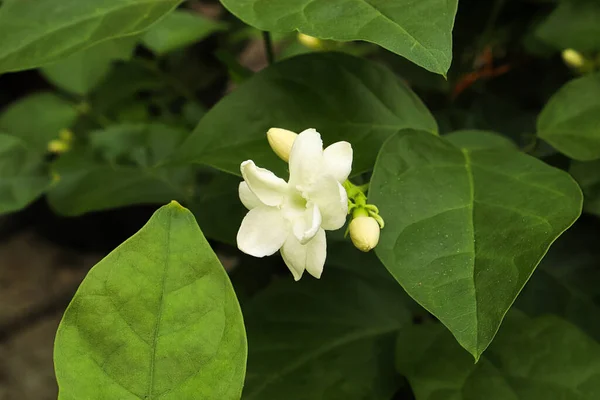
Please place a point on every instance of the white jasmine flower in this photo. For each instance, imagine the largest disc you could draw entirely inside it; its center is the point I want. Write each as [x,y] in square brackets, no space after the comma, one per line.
[293,216]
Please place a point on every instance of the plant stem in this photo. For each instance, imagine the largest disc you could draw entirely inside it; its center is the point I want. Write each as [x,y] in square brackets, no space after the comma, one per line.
[269,47]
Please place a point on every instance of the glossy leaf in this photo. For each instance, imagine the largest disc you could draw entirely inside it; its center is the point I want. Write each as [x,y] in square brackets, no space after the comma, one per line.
[37,119]
[343,97]
[155,319]
[326,339]
[587,174]
[465,229]
[571,120]
[52,29]
[479,140]
[566,281]
[531,359]
[573,24]
[177,30]
[421,32]
[23,177]
[121,167]
[81,72]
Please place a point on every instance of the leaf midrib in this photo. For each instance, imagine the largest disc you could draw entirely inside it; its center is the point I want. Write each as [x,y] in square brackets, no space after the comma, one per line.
[159,312]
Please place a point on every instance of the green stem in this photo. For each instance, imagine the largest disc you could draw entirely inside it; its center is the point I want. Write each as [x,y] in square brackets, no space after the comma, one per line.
[269,47]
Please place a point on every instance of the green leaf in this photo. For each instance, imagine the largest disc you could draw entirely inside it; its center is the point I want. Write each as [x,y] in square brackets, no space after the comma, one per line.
[326,339]
[179,29]
[420,32]
[571,120]
[155,319]
[81,72]
[531,359]
[121,167]
[465,229]
[37,119]
[573,24]
[23,177]
[471,139]
[566,281]
[587,174]
[343,97]
[52,29]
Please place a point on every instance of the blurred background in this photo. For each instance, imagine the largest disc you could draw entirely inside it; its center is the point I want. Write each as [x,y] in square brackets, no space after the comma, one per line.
[501,77]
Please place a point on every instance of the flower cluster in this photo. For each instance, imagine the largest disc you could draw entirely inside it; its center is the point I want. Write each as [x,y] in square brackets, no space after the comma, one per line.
[292,216]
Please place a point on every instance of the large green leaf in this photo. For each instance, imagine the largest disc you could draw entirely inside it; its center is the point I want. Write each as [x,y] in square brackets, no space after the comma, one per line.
[37,34]
[155,319]
[179,29]
[540,359]
[571,120]
[343,97]
[81,72]
[37,119]
[472,139]
[566,281]
[420,31]
[587,174]
[327,339]
[465,229]
[119,168]
[573,24]
[23,177]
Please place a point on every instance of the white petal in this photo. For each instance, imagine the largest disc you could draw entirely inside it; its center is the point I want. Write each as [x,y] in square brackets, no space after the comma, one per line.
[269,188]
[306,158]
[262,232]
[338,160]
[249,199]
[332,200]
[306,227]
[309,257]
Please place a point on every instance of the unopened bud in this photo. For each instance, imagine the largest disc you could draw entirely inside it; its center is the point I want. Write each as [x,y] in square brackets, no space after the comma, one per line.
[58,146]
[281,141]
[573,58]
[65,135]
[364,232]
[310,41]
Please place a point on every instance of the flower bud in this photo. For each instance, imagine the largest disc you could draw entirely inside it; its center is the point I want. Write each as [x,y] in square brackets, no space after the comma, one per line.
[573,58]
[364,232]
[310,41]
[58,146]
[281,141]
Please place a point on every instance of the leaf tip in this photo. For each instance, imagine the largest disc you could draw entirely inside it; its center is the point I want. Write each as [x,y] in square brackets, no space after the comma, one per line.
[174,204]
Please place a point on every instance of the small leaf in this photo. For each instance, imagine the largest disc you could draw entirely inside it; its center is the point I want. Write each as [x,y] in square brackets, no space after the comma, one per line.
[326,339]
[179,29]
[23,177]
[531,359]
[421,32]
[81,72]
[465,229]
[343,97]
[120,168]
[37,119]
[587,174]
[155,319]
[573,24]
[52,29]
[571,120]
[479,140]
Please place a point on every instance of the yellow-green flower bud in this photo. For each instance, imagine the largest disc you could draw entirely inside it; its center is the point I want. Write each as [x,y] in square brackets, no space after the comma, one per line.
[364,232]
[58,146]
[281,141]
[573,58]
[310,41]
